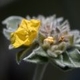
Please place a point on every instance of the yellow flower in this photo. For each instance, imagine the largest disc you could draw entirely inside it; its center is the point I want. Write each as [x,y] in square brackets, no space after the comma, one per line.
[26,33]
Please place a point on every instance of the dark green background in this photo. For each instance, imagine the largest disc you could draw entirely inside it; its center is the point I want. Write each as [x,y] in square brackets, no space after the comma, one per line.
[9,69]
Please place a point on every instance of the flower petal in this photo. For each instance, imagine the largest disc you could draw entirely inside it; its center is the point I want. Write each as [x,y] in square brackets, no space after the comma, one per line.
[26,33]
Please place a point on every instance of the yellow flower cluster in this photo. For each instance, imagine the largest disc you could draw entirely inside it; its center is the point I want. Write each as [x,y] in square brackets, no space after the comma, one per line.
[26,33]
[50,40]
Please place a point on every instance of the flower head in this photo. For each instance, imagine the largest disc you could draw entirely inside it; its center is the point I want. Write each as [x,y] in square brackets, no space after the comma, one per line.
[56,35]
[57,43]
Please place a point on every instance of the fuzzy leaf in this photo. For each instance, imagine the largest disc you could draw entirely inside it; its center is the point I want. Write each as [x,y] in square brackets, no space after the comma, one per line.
[23,53]
[51,54]
[77,46]
[40,37]
[41,52]
[78,41]
[58,61]
[75,57]
[37,56]
[11,25]
[12,22]
[67,60]
[71,39]
[20,55]
[65,26]
[10,47]
[7,33]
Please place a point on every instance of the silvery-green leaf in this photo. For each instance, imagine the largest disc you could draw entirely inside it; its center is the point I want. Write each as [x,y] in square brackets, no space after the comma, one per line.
[62,46]
[78,41]
[7,33]
[25,51]
[12,22]
[77,46]
[75,54]
[58,52]
[10,47]
[67,60]
[71,39]
[20,55]
[59,61]
[37,56]
[65,26]
[42,18]
[40,38]
[76,34]
[75,57]
[51,54]
[28,17]
[54,47]
[58,21]
[41,52]
[36,59]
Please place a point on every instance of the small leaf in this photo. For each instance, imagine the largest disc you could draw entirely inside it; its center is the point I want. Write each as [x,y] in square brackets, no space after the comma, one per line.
[58,61]
[41,52]
[7,33]
[62,63]
[67,60]
[71,39]
[62,46]
[10,47]
[37,56]
[40,38]
[75,54]
[11,25]
[20,55]
[77,46]
[12,22]
[65,26]
[51,54]
[78,41]
[36,59]
[23,53]
[75,57]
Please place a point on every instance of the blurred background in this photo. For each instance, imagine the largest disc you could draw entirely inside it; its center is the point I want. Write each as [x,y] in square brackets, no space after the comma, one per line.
[9,69]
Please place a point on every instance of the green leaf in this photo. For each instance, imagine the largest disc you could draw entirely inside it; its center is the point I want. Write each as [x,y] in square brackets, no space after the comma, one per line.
[40,38]
[75,57]
[51,54]
[58,61]
[75,54]
[37,56]
[7,33]
[67,60]
[12,22]
[23,53]
[77,46]
[20,55]
[62,46]
[78,41]
[71,39]
[41,52]
[65,26]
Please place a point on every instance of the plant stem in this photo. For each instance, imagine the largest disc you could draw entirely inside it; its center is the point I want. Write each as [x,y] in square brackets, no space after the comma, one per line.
[40,69]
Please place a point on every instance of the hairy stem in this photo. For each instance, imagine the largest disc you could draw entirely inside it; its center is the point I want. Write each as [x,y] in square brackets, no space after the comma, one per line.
[39,72]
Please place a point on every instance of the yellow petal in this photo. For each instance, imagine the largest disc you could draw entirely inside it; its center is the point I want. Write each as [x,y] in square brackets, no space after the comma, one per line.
[26,33]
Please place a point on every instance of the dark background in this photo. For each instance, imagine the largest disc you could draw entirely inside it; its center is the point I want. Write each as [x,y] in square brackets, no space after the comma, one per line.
[9,69]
